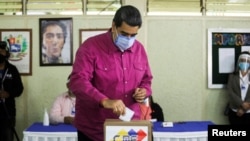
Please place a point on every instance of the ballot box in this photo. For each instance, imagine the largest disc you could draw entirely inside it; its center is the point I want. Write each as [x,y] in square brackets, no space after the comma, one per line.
[134,130]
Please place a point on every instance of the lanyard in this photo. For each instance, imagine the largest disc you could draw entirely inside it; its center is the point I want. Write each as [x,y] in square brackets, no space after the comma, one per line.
[73,111]
[2,87]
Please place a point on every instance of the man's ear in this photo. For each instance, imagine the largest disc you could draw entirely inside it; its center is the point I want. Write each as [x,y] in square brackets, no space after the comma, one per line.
[113,27]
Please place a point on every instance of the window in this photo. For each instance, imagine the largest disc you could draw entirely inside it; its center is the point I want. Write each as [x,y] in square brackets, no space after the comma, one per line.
[10,7]
[199,7]
[58,7]
[108,7]
[54,7]
[174,7]
[228,8]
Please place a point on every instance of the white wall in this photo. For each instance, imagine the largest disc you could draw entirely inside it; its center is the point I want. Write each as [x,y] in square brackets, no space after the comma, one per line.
[177,49]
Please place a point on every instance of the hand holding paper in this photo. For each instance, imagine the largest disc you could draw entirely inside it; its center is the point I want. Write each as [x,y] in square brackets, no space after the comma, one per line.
[128,115]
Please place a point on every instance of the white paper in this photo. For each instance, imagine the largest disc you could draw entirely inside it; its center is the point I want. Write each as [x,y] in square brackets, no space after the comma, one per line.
[127,116]
[226,60]
[245,48]
[167,124]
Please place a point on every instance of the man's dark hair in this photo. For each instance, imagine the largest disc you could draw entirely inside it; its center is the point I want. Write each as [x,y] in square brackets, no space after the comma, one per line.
[53,23]
[128,14]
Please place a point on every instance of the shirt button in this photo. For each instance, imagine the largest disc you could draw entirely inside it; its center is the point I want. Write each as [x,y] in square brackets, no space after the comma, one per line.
[105,69]
[125,68]
[126,82]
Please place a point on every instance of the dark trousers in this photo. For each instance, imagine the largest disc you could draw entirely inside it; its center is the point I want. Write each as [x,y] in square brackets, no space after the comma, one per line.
[6,130]
[82,137]
[236,120]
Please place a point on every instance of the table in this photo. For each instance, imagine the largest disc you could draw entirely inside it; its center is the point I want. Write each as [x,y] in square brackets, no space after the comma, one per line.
[182,131]
[60,132]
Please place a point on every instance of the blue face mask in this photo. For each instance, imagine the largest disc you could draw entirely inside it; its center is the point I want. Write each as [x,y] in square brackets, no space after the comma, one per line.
[124,42]
[244,66]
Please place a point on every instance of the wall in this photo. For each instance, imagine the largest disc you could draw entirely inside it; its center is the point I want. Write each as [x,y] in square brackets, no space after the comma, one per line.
[45,83]
[177,49]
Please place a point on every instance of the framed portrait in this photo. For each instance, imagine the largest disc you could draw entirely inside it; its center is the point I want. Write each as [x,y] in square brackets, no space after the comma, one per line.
[224,47]
[20,47]
[56,41]
[86,33]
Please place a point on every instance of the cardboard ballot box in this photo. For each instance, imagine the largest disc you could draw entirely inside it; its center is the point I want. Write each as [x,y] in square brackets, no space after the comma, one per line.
[134,130]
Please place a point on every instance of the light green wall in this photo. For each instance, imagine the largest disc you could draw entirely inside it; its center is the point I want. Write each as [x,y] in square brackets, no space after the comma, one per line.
[177,49]
[45,83]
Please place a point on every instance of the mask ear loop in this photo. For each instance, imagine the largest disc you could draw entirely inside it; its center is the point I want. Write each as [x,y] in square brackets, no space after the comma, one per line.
[248,61]
[116,33]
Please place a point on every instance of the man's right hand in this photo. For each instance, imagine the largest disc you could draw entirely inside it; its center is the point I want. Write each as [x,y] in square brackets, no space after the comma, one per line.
[117,106]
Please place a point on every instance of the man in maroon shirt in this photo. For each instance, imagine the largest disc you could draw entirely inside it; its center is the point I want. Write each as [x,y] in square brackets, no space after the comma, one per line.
[111,72]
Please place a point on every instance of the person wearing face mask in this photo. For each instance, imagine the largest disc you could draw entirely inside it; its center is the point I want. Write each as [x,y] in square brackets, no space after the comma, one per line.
[11,86]
[239,91]
[111,72]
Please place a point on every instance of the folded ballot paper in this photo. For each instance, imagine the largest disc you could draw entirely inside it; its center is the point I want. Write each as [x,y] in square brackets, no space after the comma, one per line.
[128,115]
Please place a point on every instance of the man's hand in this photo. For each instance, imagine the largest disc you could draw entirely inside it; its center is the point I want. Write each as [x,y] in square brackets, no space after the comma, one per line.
[140,94]
[117,106]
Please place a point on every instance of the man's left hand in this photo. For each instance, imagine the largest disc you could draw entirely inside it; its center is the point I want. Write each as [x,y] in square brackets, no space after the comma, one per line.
[140,94]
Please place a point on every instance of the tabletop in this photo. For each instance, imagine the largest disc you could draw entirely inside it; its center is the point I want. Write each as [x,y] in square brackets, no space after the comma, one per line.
[181,131]
[58,132]
[38,127]
[185,126]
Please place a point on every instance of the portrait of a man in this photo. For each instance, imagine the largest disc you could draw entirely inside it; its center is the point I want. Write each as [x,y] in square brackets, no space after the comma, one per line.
[55,42]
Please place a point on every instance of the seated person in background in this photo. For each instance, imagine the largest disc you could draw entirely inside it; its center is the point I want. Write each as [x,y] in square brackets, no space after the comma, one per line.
[157,112]
[63,108]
